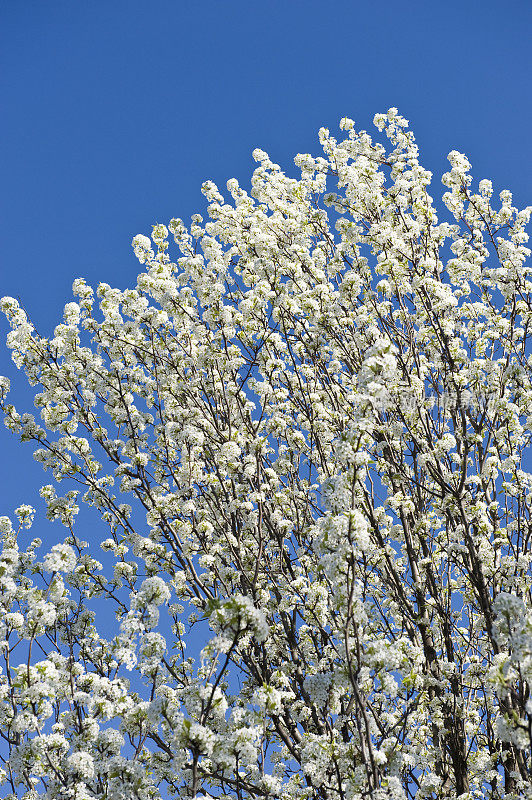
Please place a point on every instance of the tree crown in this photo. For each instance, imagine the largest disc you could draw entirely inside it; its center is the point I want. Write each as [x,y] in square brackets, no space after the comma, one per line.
[318,412]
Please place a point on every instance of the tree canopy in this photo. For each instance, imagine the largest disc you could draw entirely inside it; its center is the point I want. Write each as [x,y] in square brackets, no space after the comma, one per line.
[306,434]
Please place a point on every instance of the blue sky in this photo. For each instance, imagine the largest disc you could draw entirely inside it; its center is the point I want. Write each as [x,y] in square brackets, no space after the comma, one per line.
[116,111]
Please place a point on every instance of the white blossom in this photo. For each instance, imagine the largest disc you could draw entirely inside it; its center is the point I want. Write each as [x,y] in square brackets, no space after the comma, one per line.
[61,558]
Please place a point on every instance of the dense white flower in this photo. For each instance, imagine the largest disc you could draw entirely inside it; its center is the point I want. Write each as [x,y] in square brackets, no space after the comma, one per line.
[61,558]
[153,591]
[82,763]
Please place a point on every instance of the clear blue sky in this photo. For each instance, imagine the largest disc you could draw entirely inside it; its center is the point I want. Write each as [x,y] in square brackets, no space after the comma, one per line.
[115,111]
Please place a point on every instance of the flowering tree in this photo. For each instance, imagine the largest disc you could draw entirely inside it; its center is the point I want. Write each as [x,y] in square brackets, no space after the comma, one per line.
[318,414]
